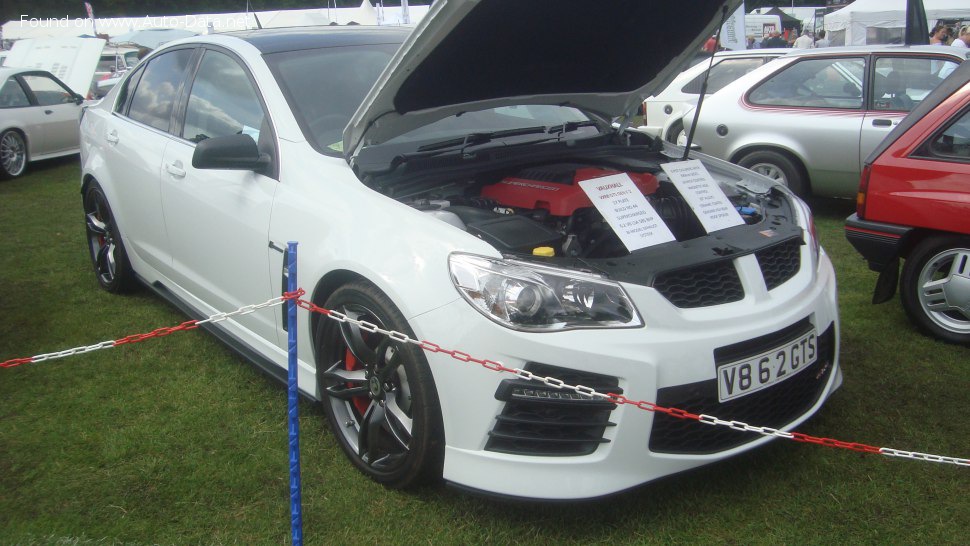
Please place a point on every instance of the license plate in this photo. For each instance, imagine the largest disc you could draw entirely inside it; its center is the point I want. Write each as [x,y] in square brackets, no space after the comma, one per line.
[753,374]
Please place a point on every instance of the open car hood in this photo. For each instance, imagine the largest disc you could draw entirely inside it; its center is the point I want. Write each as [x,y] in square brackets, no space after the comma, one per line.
[468,55]
[72,60]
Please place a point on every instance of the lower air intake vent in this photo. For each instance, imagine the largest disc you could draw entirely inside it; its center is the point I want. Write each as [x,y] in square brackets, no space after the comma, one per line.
[775,406]
[703,286]
[546,421]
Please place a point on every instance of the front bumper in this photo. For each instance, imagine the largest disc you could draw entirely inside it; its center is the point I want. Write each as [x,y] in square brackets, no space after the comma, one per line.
[673,360]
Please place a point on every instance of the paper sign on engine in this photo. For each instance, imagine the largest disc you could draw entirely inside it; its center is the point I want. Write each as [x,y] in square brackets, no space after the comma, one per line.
[704,196]
[622,204]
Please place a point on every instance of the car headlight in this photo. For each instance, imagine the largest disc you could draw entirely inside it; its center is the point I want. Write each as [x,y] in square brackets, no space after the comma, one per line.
[534,298]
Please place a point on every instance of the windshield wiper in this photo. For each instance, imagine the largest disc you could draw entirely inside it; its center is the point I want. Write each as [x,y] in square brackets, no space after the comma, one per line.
[569,127]
[474,139]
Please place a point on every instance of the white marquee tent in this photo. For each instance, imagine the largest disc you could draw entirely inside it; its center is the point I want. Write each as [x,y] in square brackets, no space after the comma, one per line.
[883,21]
[203,23]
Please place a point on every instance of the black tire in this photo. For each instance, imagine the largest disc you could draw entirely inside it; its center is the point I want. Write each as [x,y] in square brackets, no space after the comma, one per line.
[675,130]
[108,256]
[778,167]
[13,154]
[935,288]
[379,395]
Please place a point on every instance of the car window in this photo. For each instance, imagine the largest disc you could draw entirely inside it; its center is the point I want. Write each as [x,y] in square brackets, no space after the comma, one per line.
[12,95]
[901,83]
[47,91]
[325,86]
[722,74]
[815,83]
[222,101]
[155,95]
[954,142]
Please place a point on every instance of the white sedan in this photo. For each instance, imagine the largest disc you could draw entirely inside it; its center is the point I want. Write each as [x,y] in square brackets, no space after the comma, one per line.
[463,184]
[38,118]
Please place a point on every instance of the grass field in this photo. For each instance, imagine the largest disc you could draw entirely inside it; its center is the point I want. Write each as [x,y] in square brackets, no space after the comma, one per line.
[179,441]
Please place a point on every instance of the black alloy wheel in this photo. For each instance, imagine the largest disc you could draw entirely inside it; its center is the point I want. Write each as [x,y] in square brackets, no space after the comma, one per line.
[108,256]
[378,394]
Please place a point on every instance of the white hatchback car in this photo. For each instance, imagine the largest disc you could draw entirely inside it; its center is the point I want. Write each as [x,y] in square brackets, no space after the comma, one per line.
[451,207]
[662,112]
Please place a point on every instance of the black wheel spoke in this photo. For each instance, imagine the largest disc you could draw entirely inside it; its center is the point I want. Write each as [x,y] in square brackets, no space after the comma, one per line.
[96,226]
[398,423]
[346,384]
[370,433]
[104,260]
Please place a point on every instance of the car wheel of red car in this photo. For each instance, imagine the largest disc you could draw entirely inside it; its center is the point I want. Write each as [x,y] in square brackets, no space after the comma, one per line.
[935,288]
[776,166]
[378,394]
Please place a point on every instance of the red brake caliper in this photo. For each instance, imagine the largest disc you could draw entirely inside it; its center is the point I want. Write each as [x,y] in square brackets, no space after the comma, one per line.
[360,402]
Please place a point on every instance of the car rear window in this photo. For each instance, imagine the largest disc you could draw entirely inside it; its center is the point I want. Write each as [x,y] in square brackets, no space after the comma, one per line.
[814,83]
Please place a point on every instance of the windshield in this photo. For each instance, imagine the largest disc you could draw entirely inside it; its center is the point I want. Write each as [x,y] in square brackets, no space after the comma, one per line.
[492,120]
[325,86]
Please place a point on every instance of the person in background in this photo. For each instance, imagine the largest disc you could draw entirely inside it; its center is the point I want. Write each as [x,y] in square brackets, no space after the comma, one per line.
[822,40]
[775,40]
[710,45]
[804,41]
[939,35]
[963,39]
[752,43]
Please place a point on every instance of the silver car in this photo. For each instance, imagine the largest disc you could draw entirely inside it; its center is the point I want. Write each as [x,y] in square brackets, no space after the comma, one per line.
[662,112]
[38,118]
[810,118]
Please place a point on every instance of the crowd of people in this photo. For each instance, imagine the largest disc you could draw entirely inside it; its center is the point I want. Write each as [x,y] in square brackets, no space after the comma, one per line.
[944,35]
[940,35]
[775,40]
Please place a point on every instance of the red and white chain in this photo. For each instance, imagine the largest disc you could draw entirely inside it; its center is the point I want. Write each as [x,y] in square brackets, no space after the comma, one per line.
[495,366]
[158,332]
[620,399]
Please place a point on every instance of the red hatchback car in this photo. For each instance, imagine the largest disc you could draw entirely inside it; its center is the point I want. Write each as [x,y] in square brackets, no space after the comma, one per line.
[914,203]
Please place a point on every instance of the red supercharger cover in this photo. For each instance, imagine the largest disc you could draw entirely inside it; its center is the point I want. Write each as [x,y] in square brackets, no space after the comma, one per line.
[559,199]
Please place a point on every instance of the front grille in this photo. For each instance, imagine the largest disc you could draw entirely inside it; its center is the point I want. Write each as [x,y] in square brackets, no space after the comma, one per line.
[780,262]
[541,420]
[774,407]
[711,284]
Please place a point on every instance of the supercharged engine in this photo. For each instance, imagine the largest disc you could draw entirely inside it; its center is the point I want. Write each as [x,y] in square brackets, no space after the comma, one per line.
[543,211]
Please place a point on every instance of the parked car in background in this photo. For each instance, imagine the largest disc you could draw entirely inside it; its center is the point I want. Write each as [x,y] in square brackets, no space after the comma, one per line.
[38,118]
[434,181]
[914,203]
[810,118]
[662,112]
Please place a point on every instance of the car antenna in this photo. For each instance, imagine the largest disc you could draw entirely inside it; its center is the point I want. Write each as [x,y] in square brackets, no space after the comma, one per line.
[258,24]
[700,99]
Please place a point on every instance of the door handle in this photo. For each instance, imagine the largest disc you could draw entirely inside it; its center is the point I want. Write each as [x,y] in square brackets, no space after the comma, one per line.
[882,123]
[48,112]
[175,169]
[111,137]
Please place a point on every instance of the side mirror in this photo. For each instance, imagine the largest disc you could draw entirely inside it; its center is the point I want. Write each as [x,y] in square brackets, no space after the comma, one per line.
[235,152]
[78,99]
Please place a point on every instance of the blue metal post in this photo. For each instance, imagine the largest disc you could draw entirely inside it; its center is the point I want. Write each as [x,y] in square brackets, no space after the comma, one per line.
[296,503]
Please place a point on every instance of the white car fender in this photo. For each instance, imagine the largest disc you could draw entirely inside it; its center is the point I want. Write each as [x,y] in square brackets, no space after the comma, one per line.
[414,245]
